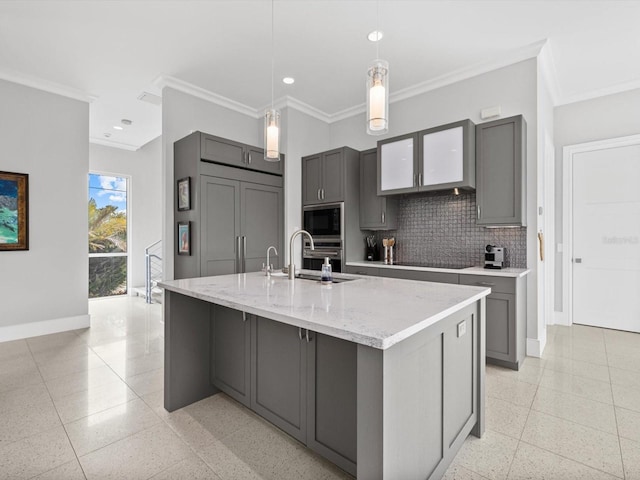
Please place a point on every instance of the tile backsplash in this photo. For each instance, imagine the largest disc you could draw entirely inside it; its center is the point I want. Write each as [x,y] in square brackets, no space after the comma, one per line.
[439,229]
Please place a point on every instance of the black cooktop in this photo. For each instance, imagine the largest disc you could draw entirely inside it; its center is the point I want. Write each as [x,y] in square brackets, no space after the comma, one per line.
[455,266]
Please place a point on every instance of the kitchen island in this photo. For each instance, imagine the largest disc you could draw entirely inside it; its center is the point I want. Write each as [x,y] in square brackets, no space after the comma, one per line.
[384,377]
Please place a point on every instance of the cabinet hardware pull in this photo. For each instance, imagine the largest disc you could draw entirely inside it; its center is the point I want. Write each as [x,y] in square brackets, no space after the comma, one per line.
[300,333]
[244,316]
[318,194]
[415,179]
[322,190]
[238,265]
[244,254]
[308,336]
[478,211]
[419,179]
[249,157]
[382,217]
[486,284]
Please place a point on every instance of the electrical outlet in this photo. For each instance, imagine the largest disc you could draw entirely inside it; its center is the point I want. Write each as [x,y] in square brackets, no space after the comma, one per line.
[462,328]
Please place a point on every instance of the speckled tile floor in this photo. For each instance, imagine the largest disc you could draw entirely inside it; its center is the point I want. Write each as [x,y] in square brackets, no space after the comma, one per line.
[88,404]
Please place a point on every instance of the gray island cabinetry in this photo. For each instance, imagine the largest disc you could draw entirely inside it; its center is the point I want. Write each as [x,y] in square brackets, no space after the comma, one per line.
[381,391]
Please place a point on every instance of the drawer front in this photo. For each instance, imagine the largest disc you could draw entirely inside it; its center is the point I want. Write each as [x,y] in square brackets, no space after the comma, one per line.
[438,277]
[363,270]
[497,284]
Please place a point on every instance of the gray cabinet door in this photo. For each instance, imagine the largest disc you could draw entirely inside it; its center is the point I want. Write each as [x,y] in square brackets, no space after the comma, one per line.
[262,225]
[221,150]
[220,229]
[279,375]
[332,187]
[332,399]
[500,172]
[311,179]
[255,161]
[376,213]
[231,353]
[501,327]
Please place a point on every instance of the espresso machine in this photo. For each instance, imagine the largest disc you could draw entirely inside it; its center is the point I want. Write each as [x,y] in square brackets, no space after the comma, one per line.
[494,257]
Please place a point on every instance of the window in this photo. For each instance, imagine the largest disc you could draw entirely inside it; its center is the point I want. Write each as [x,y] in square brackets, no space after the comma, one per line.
[108,252]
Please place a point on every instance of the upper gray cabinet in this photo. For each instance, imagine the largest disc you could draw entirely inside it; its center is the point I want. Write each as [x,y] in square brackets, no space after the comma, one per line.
[376,212]
[327,176]
[501,173]
[228,152]
[438,158]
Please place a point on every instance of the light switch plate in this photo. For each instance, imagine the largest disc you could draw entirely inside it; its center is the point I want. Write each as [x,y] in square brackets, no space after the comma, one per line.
[462,328]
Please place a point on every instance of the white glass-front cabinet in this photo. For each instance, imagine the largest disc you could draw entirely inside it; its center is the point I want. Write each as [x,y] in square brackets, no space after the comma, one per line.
[444,159]
[397,165]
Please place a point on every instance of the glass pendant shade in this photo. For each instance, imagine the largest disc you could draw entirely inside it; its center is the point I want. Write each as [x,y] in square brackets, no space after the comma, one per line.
[378,98]
[272,135]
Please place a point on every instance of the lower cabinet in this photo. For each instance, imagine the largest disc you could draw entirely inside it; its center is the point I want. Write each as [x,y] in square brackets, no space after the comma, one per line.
[231,353]
[506,308]
[506,318]
[303,382]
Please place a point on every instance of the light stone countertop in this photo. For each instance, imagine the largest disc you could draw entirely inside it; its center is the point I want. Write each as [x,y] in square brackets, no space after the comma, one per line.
[374,311]
[503,272]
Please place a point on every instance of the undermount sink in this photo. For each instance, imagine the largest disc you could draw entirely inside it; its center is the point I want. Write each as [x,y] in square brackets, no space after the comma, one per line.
[307,276]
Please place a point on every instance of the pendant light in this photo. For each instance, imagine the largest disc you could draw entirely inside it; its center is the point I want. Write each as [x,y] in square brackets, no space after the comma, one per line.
[272,116]
[378,89]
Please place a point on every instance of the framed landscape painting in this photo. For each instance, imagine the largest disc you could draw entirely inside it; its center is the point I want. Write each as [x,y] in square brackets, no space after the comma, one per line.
[184,238]
[14,211]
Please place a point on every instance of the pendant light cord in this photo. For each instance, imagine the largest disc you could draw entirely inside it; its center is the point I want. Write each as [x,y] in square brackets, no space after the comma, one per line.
[378,29]
[272,53]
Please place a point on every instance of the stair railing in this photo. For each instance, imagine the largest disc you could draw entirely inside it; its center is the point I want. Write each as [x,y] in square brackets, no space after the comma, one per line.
[153,268]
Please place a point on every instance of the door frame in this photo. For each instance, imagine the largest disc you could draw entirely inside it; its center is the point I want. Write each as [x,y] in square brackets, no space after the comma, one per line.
[568,153]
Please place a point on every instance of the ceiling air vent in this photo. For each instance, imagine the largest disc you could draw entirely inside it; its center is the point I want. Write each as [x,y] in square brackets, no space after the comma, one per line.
[150,98]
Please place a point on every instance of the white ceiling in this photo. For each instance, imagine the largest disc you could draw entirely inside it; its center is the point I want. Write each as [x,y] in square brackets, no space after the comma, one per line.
[114,50]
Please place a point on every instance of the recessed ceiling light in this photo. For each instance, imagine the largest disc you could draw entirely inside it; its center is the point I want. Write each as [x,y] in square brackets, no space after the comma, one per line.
[118,127]
[288,80]
[107,134]
[375,36]
[126,121]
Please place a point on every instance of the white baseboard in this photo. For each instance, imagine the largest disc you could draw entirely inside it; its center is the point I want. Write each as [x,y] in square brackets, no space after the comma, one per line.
[44,327]
[535,346]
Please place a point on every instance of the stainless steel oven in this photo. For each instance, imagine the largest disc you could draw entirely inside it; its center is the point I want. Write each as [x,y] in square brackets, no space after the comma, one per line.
[325,223]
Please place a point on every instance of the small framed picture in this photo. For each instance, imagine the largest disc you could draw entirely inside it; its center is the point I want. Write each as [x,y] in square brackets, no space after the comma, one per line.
[184,194]
[184,238]
[14,211]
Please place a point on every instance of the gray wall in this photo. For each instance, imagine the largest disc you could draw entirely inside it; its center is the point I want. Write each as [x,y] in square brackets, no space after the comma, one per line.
[46,136]
[602,118]
[144,166]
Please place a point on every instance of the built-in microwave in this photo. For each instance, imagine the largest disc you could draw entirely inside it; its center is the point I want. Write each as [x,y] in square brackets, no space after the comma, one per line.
[325,223]
[324,220]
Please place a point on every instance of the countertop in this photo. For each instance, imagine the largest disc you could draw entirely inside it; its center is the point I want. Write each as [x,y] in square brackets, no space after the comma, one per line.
[374,311]
[504,272]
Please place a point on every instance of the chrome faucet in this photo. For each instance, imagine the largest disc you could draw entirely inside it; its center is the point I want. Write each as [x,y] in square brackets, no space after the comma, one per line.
[269,268]
[292,267]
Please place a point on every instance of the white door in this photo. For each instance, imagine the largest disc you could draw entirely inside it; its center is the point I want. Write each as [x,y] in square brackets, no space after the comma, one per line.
[606,238]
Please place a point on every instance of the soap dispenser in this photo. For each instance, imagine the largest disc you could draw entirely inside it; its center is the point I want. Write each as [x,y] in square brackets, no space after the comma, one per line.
[326,277]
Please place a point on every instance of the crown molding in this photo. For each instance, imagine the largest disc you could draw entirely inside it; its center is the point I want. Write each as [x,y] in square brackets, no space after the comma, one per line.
[110,143]
[547,68]
[46,85]
[601,92]
[185,87]
[515,56]
[524,53]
